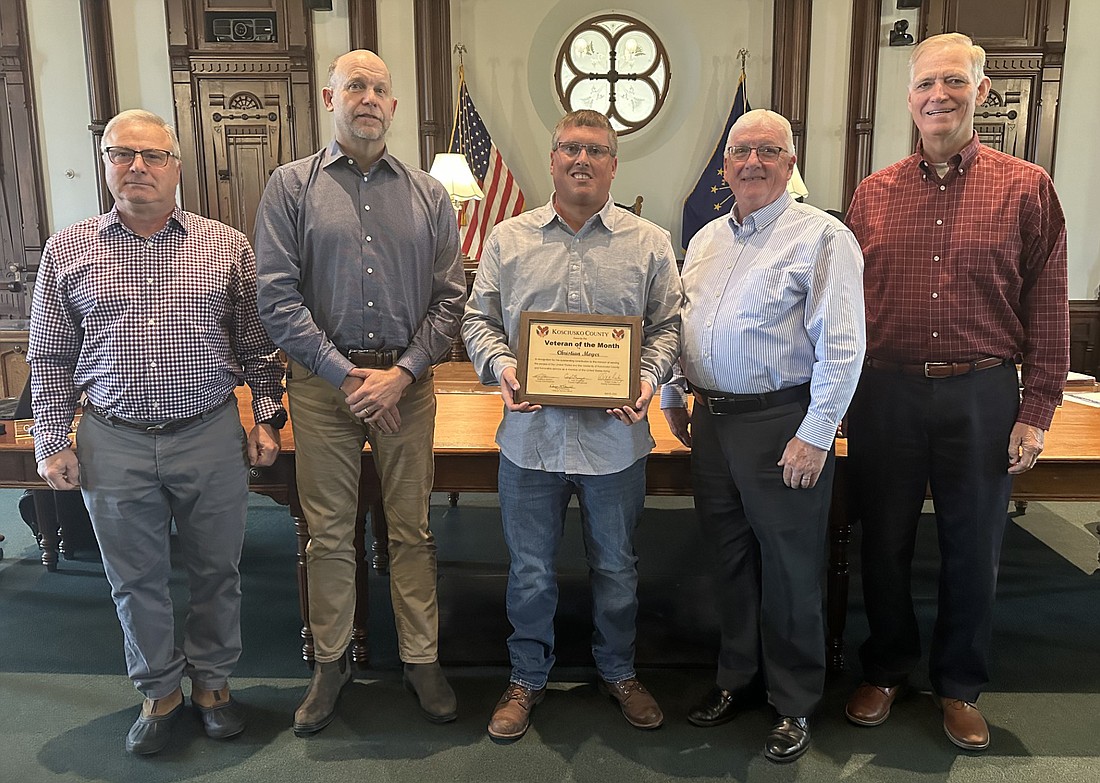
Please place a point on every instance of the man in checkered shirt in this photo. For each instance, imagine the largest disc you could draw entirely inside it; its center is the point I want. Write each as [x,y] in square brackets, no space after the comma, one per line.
[965,275]
[150,312]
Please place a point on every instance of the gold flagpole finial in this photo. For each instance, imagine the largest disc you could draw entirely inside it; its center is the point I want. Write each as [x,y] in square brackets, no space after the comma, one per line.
[460,50]
[744,55]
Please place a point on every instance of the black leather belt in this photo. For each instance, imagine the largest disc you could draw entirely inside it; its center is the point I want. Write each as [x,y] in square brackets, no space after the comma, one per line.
[372,359]
[155,427]
[936,369]
[722,404]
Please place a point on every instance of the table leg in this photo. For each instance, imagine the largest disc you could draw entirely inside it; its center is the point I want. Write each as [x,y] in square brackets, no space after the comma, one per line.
[45,511]
[840,536]
[301,533]
[360,645]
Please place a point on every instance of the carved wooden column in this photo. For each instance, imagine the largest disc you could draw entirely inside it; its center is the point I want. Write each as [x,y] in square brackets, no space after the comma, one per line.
[791,67]
[99,54]
[363,24]
[432,20]
[22,206]
[862,79]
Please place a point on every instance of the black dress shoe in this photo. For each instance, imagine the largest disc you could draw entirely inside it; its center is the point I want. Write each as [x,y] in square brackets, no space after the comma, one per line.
[222,721]
[150,735]
[788,740]
[721,706]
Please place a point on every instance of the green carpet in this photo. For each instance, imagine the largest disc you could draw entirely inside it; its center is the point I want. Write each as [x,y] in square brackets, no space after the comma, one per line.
[65,703]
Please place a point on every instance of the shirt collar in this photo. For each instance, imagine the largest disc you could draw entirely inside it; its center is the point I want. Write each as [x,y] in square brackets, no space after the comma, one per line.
[334,154]
[960,162]
[761,218]
[547,214]
[177,221]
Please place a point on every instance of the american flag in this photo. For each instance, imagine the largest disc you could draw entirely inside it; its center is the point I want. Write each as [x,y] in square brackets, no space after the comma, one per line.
[503,197]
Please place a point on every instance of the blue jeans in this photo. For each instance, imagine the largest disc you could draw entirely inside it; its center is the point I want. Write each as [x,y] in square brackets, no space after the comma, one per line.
[532,506]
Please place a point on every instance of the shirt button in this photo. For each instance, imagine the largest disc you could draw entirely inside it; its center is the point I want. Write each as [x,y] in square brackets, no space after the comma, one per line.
[369,238]
[935,334]
[370,334]
[935,295]
[939,222]
[367,207]
[149,280]
[370,270]
[961,170]
[154,405]
[152,364]
[370,304]
[943,187]
[151,322]
[935,258]
[351,162]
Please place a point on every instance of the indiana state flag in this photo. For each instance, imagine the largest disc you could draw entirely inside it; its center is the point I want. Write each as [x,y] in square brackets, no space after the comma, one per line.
[711,196]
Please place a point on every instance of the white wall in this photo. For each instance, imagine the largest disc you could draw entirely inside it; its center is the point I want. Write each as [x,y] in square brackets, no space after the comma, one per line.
[510,76]
[395,45]
[892,138]
[827,109]
[1077,155]
[141,57]
[61,95]
[330,40]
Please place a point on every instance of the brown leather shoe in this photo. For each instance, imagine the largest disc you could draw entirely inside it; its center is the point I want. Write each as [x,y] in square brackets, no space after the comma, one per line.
[638,705]
[963,724]
[870,704]
[512,715]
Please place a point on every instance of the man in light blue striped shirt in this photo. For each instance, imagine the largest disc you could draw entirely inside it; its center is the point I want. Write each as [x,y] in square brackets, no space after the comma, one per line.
[772,344]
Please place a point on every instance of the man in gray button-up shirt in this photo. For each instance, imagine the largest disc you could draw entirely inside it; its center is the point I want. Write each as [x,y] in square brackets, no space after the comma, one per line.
[577,254]
[360,282]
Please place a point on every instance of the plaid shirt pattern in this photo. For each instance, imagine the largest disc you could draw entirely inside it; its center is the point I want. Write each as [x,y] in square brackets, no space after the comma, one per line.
[151,329]
[967,266]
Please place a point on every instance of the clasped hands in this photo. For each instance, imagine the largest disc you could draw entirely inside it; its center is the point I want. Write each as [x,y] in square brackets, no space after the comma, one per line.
[372,395]
[627,414]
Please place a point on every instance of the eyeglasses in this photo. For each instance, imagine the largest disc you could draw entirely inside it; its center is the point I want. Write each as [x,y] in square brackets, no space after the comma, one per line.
[765,152]
[124,156]
[572,149]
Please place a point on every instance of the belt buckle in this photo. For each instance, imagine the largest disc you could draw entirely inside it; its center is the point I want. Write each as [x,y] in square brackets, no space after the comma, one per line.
[710,405]
[928,368]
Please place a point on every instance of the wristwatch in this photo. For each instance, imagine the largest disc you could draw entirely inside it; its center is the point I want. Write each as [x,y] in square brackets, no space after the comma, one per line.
[276,422]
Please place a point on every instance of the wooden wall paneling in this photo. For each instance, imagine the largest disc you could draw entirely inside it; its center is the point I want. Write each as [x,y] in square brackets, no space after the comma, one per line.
[863,76]
[432,21]
[791,67]
[993,24]
[99,59]
[1084,336]
[22,204]
[248,67]
[363,21]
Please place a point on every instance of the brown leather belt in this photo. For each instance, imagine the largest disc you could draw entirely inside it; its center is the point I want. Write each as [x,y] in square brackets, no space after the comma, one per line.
[155,427]
[723,404]
[935,369]
[372,359]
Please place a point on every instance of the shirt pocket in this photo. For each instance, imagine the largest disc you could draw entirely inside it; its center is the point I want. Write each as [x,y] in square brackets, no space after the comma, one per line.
[762,296]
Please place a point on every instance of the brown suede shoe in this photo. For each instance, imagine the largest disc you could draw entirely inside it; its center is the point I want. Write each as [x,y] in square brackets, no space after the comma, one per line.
[963,724]
[512,715]
[639,707]
[870,704]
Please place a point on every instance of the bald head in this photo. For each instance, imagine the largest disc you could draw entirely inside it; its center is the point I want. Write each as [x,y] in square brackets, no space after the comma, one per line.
[360,96]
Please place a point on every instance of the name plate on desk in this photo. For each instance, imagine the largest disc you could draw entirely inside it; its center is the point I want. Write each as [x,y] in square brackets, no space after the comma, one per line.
[578,360]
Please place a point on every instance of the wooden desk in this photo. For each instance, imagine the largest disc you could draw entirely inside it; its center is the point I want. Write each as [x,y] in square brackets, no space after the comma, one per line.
[467,459]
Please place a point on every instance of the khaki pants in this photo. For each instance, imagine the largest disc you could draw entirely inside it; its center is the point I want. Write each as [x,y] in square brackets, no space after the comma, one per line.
[328,441]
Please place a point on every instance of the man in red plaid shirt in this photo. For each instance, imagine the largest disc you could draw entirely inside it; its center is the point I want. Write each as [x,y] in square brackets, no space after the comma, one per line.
[965,276]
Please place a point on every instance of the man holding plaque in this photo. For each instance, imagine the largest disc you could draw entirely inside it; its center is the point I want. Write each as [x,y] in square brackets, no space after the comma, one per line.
[579,255]
[773,339]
